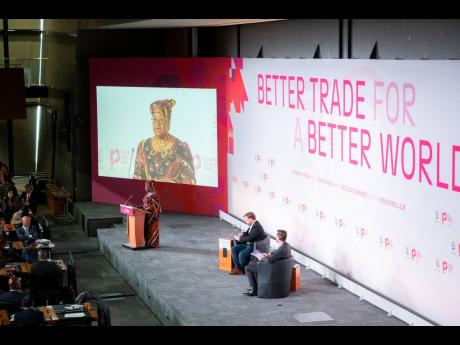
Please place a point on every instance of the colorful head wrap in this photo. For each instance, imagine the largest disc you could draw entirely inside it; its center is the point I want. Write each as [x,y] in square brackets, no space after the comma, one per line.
[150,185]
[163,107]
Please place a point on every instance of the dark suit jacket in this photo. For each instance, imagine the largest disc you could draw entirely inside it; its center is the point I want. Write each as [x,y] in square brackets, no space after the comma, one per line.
[257,234]
[283,252]
[45,275]
[29,317]
[12,236]
[12,297]
[21,232]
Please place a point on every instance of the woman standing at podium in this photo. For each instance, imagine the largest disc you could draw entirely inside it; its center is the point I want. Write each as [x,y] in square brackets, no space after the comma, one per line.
[151,204]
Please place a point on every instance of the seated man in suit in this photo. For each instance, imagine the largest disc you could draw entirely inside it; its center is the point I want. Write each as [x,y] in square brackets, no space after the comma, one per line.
[29,199]
[15,296]
[45,278]
[241,252]
[28,234]
[282,252]
[29,316]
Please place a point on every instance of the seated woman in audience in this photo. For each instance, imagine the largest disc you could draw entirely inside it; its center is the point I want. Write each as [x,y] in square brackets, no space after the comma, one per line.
[11,205]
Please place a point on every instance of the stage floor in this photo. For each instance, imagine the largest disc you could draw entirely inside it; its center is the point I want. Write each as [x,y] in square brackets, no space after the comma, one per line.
[181,282]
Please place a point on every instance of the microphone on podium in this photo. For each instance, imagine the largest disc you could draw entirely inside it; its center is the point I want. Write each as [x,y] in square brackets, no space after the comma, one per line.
[128,199]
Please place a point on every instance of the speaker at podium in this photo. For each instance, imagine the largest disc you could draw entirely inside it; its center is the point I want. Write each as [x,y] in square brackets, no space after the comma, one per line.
[136,220]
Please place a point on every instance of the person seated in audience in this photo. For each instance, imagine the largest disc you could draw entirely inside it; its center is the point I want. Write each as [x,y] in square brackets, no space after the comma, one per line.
[29,316]
[29,199]
[11,204]
[245,243]
[16,220]
[15,296]
[45,278]
[282,252]
[28,234]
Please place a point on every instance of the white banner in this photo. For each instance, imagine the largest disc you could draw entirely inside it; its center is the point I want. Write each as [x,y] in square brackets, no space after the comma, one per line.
[359,160]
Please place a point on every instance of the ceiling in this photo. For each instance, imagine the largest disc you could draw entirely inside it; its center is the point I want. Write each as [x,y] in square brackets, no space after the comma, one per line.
[182,23]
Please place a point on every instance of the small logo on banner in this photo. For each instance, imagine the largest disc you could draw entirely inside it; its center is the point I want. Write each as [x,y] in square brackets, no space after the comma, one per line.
[271,195]
[245,184]
[361,232]
[286,201]
[264,177]
[443,217]
[339,223]
[455,248]
[258,158]
[234,180]
[258,189]
[443,266]
[302,208]
[114,157]
[271,162]
[386,243]
[412,254]
[197,161]
[321,215]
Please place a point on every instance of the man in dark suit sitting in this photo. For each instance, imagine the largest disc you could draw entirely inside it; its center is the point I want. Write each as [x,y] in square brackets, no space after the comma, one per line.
[29,316]
[28,234]
[45,279]
[13,298]
[241,252]
[282,252]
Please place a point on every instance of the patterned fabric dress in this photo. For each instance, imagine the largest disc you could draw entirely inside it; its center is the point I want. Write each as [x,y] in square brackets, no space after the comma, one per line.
[174,165]
[151,203]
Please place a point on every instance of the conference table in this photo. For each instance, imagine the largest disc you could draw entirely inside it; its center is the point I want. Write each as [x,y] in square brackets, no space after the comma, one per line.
[25,267]
[65,314]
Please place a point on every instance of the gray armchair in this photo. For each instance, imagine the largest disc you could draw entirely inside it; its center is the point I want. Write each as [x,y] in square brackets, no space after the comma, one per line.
[263,245]
[274,279]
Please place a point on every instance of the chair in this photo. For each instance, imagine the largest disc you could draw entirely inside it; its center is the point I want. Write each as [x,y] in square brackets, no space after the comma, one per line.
[10,308]
[274,279]
[103,311]
[263,245]
[72,275]
[46,288]
[46,228]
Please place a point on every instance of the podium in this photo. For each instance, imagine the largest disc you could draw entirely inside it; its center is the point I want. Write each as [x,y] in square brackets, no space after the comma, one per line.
[225,254]
[136,220]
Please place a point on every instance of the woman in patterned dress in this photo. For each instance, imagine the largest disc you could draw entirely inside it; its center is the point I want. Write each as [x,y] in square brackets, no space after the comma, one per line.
[163,157]
[151,203]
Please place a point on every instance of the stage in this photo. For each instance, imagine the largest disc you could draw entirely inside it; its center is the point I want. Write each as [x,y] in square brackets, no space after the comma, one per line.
[181,282]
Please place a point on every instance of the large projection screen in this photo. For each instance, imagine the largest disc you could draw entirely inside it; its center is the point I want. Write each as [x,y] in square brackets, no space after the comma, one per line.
[126,134]
[163,119]
[359,161]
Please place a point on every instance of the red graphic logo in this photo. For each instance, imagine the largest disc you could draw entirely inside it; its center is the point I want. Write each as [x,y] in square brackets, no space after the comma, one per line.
[444,266]
[258,189]
[271,195]
[235,180]
[271,162]
[257,158]
[245,184]
[413,254]
[236,90]
[443,217]
[264,177]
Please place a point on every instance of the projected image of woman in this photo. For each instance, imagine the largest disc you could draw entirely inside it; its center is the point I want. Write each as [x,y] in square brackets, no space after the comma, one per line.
[163,157]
